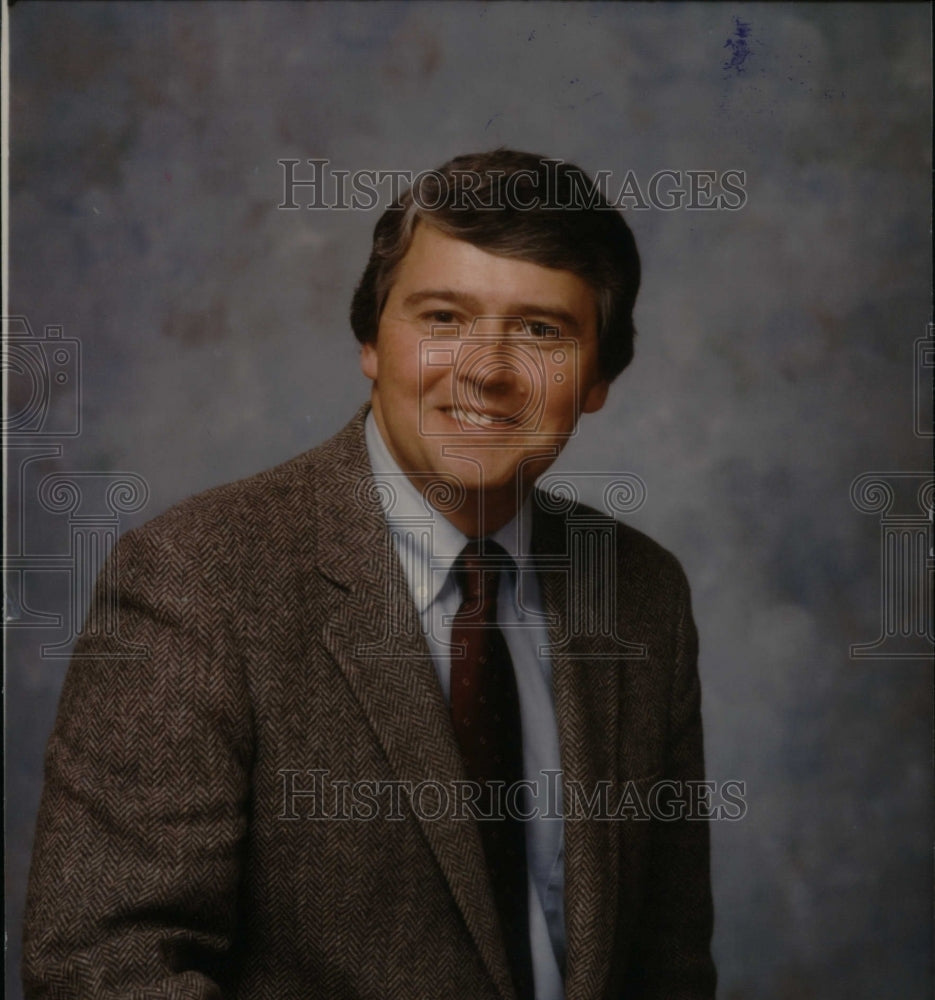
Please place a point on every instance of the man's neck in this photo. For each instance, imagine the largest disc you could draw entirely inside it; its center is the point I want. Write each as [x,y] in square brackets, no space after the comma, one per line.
[482,513]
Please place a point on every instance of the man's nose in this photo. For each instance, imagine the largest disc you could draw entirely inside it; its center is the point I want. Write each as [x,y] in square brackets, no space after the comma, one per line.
[494,373]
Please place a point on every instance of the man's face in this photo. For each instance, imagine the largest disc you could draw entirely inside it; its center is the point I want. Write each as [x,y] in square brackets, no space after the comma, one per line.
[482,365]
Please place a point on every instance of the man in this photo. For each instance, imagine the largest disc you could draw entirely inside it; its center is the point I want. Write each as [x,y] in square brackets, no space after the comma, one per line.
[393,696]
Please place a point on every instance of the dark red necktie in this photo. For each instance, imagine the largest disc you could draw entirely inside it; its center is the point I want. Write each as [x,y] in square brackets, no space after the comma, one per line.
[486,716]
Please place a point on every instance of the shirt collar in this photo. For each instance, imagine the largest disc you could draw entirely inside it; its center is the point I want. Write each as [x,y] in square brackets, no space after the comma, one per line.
[427,542]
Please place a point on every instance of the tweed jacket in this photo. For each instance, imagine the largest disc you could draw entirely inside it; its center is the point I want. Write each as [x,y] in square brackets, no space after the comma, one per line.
[188,846]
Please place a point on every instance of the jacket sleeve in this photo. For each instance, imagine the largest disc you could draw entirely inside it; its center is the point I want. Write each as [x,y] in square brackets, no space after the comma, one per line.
[672,956]
[142,825]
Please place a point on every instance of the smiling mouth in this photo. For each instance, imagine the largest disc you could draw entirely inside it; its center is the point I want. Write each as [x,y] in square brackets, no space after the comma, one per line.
[480,418]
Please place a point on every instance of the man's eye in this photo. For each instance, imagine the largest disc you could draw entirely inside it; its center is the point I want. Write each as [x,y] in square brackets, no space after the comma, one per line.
[539,328]
[442,316]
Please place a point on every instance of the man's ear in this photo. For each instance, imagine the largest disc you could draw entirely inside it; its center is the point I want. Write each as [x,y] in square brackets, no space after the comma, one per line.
[368,360]
[595,397]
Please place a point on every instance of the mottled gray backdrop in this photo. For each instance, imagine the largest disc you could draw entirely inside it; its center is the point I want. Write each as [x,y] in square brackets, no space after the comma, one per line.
[776,363]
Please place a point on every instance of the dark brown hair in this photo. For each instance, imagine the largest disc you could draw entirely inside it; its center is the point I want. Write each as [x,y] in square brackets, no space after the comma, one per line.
[518,205]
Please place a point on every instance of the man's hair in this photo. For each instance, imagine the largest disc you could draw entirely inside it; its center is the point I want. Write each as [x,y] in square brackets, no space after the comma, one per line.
[517,205]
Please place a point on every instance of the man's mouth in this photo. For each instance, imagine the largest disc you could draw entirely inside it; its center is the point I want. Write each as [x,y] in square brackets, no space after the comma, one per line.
[479,418]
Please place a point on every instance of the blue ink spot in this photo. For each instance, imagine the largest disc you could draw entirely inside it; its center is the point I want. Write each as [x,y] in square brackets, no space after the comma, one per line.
[738,45]
[499,114]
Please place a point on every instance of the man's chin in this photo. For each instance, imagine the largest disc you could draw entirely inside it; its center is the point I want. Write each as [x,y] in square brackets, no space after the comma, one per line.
[487,473]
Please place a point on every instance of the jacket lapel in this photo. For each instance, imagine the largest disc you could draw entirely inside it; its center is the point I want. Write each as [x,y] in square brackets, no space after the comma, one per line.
[373,632]
[585,666]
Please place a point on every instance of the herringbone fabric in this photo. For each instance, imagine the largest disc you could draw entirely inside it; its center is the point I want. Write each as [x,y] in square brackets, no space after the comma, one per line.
[486,717]
[192,840]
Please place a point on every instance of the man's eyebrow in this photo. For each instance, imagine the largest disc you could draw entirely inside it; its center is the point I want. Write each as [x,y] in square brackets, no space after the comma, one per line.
[560,317]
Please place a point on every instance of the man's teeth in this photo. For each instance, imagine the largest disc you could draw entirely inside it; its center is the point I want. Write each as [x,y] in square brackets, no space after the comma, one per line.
[473,417]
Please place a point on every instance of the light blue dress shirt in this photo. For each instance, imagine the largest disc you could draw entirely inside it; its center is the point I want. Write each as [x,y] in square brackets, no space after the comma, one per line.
[428,544]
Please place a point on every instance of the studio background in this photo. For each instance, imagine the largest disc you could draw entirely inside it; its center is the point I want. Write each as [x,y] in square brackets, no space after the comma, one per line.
[776,362]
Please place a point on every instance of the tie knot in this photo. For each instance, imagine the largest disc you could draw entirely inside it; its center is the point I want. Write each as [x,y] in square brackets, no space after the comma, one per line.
[477,570]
